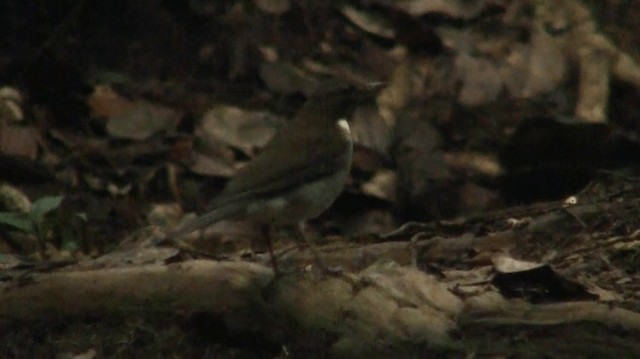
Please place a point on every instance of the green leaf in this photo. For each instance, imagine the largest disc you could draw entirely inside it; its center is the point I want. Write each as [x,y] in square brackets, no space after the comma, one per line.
[21,221]
[44,205]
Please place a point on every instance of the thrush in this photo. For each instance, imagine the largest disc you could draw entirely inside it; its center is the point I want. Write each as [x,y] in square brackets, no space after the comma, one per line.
[299,174]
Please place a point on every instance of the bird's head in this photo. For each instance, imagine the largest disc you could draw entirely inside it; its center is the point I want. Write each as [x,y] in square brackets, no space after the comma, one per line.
[337,99]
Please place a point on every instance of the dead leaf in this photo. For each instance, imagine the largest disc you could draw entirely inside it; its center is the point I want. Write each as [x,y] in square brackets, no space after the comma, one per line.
[505,264]
[535,282]
[101,184]
[286,79]
[454,8]
[474,163]
[534,68]
[105,102]
[142,120]
[210,166]
[136,120]
[13,200]
[370,130]
[10,105]
[240,129]
[604,295]
[369,21]
[481,80]
[383,186]
[275,7]
[19,141]
[8,261]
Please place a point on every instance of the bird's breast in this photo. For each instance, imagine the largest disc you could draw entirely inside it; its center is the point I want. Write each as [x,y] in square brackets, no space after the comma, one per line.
[308,200]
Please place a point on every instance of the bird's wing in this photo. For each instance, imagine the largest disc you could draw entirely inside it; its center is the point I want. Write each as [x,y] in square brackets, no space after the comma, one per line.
[306,159]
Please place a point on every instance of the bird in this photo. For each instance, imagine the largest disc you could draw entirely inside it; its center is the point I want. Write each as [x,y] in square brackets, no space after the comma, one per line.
[298,174]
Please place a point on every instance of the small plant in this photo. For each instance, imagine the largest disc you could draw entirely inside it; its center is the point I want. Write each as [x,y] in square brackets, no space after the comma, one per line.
[33,222]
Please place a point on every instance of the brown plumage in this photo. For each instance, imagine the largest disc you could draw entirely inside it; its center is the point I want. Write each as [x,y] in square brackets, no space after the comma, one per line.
[299,174]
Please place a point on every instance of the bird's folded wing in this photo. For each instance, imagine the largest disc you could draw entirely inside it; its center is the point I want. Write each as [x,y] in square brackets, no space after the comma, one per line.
[294,157]
[276,182]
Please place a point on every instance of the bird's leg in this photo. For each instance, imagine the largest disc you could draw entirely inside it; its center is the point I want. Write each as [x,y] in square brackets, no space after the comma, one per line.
[267,234]
[314,251]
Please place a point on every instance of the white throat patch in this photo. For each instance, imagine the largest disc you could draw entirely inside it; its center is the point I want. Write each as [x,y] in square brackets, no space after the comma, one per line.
[343,126]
